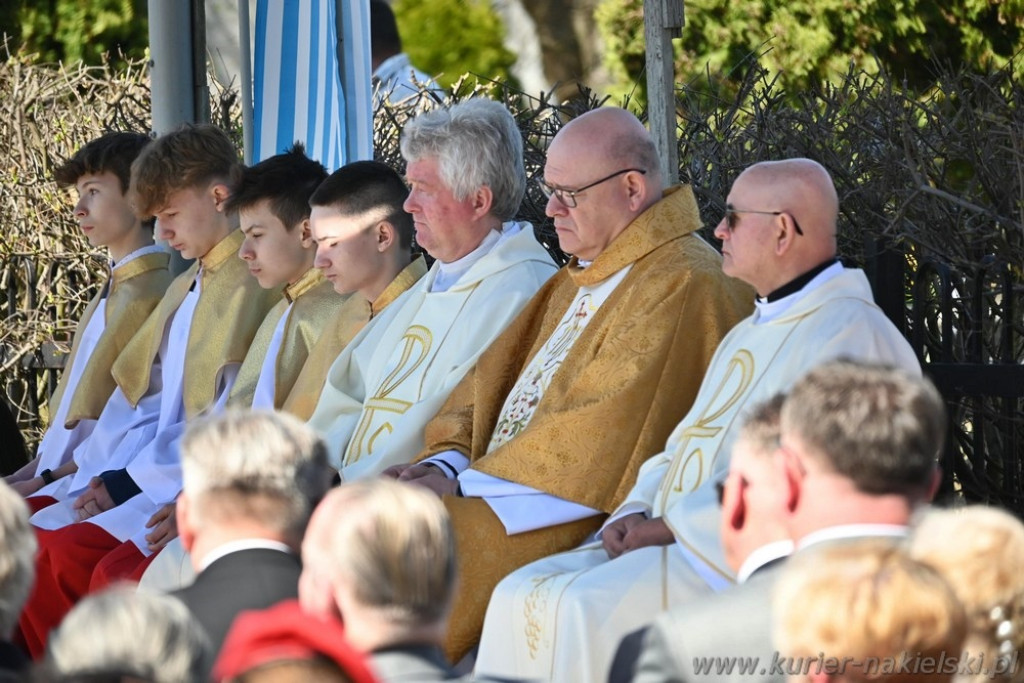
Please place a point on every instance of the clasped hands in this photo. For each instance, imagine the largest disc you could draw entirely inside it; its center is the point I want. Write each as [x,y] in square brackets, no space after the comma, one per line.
[635,531]
[96,499]
[425,475]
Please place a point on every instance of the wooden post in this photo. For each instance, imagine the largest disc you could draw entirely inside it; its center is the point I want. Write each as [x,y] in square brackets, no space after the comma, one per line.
[663,21]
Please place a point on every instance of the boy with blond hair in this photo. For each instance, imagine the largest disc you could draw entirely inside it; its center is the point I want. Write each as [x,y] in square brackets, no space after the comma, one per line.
[100,172]
[183,361]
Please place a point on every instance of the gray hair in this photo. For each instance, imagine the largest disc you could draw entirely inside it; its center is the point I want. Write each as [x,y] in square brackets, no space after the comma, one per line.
[122,631]
[260,465]
[17,561]
[878,426]
[393,543]
[476,144]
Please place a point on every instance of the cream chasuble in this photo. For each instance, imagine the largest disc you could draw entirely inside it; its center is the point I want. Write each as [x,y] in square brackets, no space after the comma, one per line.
[350,318]
[284,339]
[396,373]
[562,617]
[628,378]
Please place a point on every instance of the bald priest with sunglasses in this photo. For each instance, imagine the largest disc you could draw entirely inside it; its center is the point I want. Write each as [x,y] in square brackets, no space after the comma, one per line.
[546,435]
[561,618]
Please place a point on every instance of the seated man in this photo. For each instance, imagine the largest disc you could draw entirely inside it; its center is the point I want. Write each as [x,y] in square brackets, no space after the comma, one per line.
[388,573]
[466,178]
[101,173]
[242,514]
[180,363]
[563,616]
[546,435]
[857,457]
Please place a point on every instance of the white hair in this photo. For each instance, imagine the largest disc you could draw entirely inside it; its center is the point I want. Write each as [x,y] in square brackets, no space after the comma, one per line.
[130,633]
[476,143]
[262,465]
[17,561]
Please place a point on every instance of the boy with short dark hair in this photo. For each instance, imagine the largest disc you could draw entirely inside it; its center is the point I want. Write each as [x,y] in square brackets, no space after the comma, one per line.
[183,361]
[100,172]
[363,239]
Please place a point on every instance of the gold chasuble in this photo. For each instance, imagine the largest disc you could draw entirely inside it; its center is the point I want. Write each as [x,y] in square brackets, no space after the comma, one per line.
[132,292]
[230,309]
[350,318]
[314,306]
[627,380]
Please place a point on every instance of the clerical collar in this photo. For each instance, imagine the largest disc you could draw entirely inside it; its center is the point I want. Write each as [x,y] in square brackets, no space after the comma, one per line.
[449,273]
[798,283]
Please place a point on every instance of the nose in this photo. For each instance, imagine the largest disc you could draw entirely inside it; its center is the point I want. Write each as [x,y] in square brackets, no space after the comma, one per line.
[163,233]
[245,252]
[410,204]
[320,260]
[80,210]
[555,207]
[722,231]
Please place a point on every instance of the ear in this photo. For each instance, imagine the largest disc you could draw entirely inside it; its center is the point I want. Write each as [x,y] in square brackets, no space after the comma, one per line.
[636,190]
[785,233]
[306,235]
[792,480]
[184,518]
[386,236]
[483,200]
[220,193]
[734,506]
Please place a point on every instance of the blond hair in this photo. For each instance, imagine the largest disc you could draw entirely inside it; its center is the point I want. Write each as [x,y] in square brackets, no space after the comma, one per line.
[189,157]
[391,542]
[865,604]
[980,551]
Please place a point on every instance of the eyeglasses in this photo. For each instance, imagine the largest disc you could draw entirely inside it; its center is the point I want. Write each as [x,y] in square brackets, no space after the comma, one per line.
[568,197]
[731,219]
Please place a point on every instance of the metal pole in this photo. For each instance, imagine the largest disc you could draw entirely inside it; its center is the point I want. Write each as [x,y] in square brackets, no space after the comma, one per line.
[170,65]
[245,87]
[663,21]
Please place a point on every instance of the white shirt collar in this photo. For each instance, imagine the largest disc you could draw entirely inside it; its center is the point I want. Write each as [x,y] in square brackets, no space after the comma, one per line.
[242,544]
[148,249]
[762,556]
[848,531]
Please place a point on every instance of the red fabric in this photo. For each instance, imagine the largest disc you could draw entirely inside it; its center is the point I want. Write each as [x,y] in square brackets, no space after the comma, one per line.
[64,566]
[37,503]
[124,563]
[285,632]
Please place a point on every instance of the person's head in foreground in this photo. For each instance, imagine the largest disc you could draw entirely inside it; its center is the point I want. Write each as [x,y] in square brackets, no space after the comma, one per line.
[864,610]
[980,552]
[381,555]
[123,635]
[246,474]
[859,444]
[17,561]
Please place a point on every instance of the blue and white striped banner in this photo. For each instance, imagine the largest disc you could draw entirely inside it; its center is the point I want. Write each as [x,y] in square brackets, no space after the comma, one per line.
[297,93]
